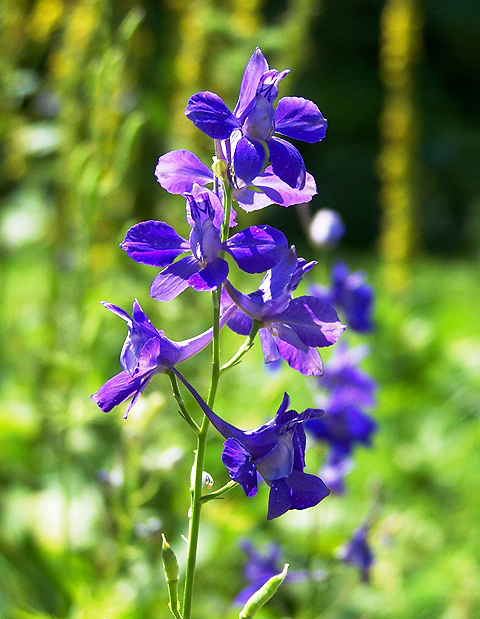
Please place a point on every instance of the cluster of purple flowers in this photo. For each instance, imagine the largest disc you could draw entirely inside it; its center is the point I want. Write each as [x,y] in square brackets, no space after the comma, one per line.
[257,167]
[345,423]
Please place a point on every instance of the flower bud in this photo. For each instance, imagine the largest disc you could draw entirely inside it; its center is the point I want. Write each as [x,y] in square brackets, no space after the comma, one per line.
[261,597]
[220,169]
[170,562]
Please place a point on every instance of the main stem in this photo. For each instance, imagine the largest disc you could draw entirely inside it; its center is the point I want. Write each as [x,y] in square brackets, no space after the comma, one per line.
[196,486]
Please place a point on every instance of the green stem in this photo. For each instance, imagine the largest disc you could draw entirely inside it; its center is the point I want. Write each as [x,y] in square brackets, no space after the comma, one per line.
[245,347]
[220,492]
[196,488]
[183,409]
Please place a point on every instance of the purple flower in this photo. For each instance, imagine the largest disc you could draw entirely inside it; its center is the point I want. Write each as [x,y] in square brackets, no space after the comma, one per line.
[350,294]
[344,424]
[342,373]
[254,122]
[291,329]
[259,568]
[254,249]
[146,352]
[358,552]
[276,451]
[178,170]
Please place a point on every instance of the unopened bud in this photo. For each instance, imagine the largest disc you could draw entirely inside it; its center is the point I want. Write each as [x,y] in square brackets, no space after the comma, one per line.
[220,169]
[261,597]
[170,562]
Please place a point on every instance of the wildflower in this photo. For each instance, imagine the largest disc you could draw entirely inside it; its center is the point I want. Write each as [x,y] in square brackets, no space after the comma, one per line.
[254,122]
[342,373]
[326,228]
[350,294]
[358,552]
[290,329]
[178,170]
[146,352]
[275,450]
[254,249]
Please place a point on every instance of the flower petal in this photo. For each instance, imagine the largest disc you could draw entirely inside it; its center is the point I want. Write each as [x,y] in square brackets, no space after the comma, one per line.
[300,119]
[209,113]
[117,389]
[256,67]
[307,490]
[257,248]
[315,322]
[173,279]
[279,500]
[287,163]
[240,466]
[178,170]
[153,242]
[248,159]
[308,362]
[269,346]
[209,278]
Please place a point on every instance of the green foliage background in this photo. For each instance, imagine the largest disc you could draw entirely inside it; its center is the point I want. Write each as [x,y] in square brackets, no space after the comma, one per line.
[92,92]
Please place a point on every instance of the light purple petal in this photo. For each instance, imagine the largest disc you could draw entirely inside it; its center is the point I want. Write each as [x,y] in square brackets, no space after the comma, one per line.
[178,170]
[256,67]
[279,500]
[209,278]
[240,466]
[300,119]
[209,113]
[153,242]
[280,192]
[315,322]
[287,162]
[257,248]
[269,346]
[248,159]
[307,363]
[307,490]
[205,195]
[173,279]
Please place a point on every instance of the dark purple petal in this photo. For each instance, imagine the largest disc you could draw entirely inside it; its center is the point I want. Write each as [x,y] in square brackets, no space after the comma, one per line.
[256,67]
[210,277]
[300,119]
[307,490]
[173,279]
[279,500]
[257,248]
[209,113]
[248,159]
[249,305]
[287,163]
[268,86]
[117,389]
[178,170]
[153,242]
[240,466]
[205,201]
[240,323]
[315,322]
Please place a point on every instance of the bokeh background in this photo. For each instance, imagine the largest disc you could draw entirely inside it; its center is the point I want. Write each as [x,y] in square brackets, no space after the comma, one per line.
[92,93]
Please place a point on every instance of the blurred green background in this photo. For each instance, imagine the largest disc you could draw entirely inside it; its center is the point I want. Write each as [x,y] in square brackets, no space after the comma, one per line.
[92,93]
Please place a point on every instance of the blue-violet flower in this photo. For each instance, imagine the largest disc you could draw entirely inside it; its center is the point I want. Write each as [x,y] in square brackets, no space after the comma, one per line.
[290,329]
[254,122]
[254,249]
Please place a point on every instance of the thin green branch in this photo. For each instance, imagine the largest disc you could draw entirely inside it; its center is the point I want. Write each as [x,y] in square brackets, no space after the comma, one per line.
[218,494]
[183,409]
[244,348]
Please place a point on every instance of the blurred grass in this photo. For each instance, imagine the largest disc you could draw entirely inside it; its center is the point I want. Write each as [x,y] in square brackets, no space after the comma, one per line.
[71,543]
